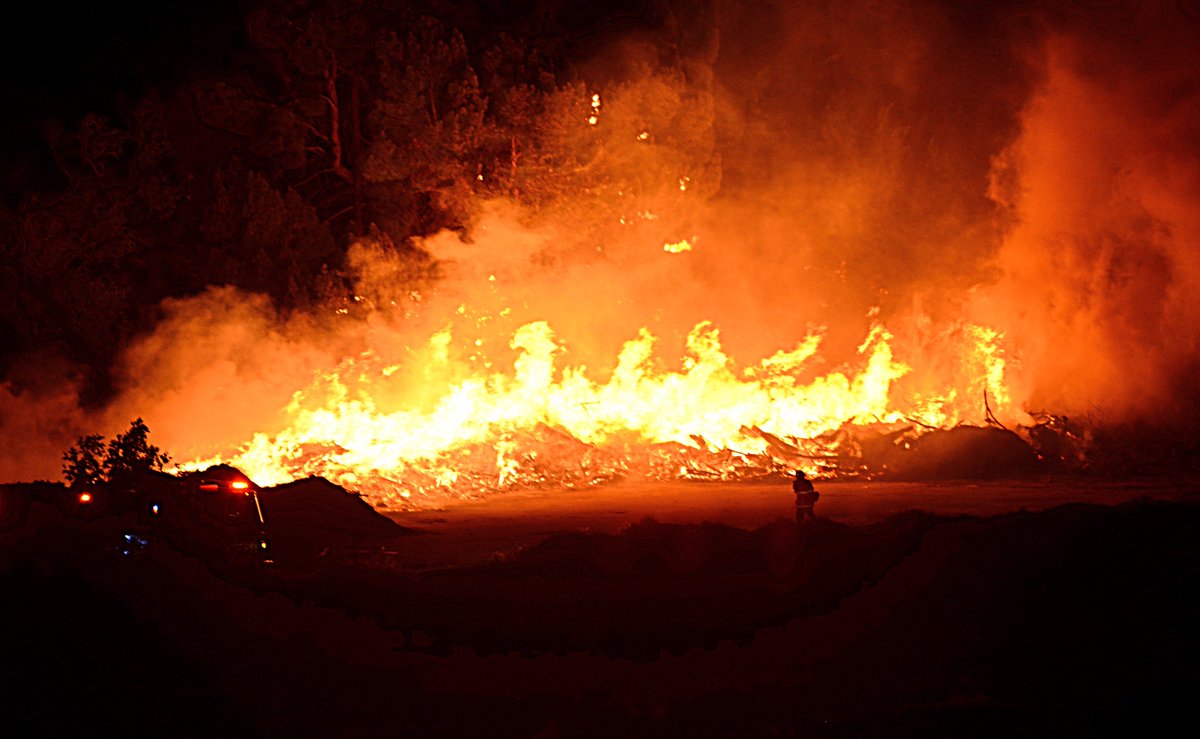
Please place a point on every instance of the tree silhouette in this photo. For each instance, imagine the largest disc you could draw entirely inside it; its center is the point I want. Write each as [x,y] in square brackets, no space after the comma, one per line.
[339,123]
[131,453]
[425,129]
[81,463]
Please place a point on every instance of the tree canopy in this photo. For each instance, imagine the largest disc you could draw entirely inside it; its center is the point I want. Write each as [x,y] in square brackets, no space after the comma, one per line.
[332,122]
[126,455]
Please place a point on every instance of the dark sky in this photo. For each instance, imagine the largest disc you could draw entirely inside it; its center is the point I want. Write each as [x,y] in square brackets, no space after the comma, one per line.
[79,52]
[62,60]
[65,59]
[59,61]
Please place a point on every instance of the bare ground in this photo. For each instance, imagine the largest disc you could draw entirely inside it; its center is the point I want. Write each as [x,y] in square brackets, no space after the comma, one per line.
[1049,607]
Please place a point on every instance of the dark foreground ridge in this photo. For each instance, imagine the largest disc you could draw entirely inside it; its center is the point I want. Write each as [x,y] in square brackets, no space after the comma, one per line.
[1078,621]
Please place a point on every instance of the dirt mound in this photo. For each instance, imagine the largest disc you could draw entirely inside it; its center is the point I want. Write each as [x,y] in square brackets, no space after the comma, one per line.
[308,517]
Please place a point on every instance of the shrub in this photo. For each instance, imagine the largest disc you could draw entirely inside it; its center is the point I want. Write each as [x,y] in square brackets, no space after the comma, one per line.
[81,463]
[128,454]
[131,453]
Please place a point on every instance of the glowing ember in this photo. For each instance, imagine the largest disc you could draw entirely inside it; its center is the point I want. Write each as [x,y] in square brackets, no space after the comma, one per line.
[678,247]
[594,118]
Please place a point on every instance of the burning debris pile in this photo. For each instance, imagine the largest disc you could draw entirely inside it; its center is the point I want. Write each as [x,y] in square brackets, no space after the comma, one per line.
[542,426]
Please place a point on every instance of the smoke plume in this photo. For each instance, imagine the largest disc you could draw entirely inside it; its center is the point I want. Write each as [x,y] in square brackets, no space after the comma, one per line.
[1023,168]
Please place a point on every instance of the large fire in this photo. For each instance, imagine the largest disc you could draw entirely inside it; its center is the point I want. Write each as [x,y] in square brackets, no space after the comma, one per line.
[752,258]
[542,354]
[539,423]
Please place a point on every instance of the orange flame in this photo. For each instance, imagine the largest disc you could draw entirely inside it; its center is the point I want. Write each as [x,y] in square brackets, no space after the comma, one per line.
[541,424]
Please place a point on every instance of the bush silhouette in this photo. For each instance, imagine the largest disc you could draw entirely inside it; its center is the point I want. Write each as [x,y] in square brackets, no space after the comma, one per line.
[129,454]
[81,463]
[132,453]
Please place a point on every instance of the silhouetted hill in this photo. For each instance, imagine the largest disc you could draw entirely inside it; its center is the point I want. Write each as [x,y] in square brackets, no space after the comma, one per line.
[313,515]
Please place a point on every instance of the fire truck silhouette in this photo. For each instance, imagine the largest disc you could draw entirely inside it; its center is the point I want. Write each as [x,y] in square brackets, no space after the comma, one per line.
[215,514]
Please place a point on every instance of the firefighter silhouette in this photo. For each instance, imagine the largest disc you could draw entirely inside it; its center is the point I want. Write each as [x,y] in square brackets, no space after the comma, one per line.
[806,497]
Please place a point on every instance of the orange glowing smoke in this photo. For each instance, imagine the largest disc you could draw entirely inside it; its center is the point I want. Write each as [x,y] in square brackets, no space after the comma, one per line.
[1014,193]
